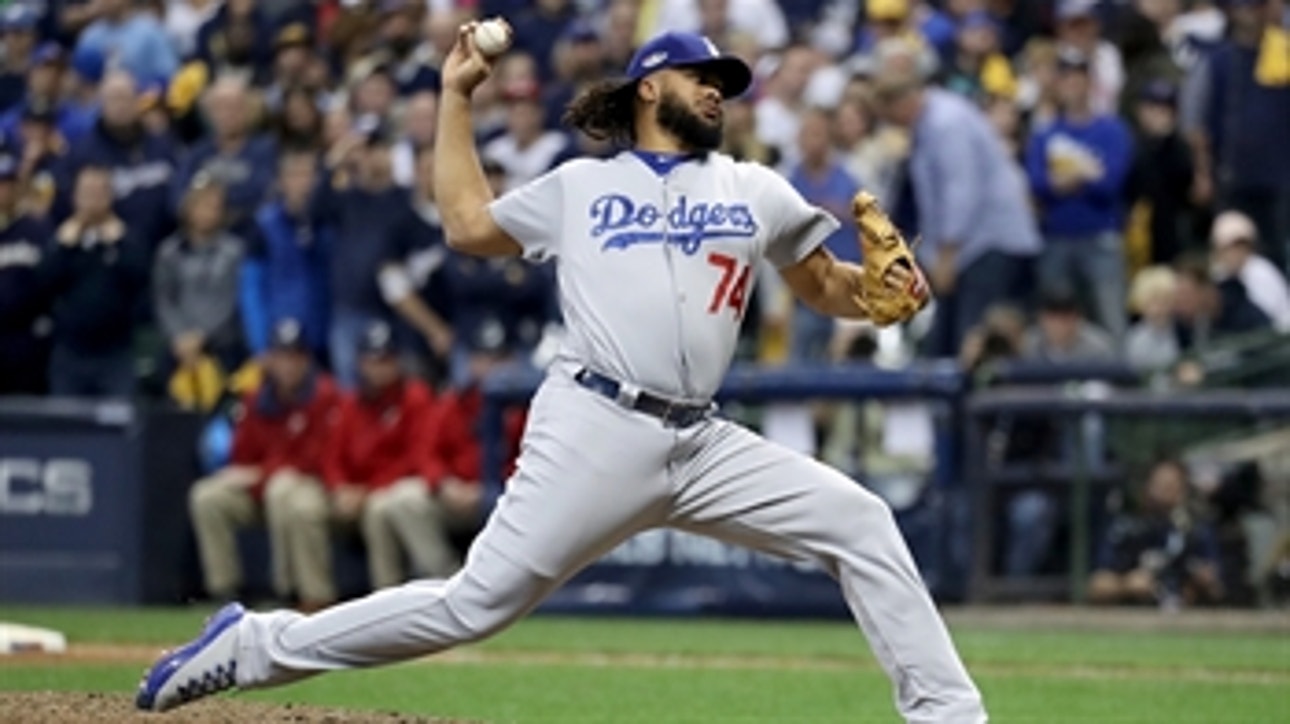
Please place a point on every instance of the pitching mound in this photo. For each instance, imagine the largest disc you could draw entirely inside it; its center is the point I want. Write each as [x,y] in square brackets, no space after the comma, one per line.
[81,708]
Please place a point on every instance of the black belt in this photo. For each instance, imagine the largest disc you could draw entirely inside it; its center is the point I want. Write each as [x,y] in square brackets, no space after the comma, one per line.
[673,414]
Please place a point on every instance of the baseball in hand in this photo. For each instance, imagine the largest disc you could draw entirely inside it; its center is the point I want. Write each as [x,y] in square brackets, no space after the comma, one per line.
[493,37]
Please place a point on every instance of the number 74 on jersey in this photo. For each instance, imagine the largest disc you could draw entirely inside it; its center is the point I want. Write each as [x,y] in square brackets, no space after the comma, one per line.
[732,287]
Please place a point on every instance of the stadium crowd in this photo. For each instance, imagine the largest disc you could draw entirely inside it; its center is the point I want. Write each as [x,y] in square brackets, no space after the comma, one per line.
[205,200]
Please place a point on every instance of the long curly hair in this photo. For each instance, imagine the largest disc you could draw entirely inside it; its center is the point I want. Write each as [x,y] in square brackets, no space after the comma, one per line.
[605,111]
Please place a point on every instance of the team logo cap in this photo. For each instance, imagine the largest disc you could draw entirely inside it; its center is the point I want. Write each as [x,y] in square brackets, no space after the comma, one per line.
[689,50]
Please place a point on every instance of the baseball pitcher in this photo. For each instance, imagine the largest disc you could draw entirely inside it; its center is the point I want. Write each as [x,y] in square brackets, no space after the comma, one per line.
[656,248]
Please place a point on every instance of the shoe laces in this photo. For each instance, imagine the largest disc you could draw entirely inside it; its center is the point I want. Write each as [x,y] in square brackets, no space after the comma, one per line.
[212,681]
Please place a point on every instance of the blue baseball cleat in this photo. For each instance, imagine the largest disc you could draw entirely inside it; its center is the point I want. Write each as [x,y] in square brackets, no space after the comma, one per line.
[204,666]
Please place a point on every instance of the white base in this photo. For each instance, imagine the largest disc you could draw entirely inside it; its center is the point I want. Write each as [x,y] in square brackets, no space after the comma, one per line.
[19,639]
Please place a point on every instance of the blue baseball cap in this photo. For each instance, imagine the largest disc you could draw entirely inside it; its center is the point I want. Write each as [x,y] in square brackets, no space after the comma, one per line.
[288,334]
[378,339]
[689,50]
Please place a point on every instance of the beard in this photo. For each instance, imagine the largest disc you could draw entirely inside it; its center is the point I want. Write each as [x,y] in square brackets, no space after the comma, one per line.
[691,129]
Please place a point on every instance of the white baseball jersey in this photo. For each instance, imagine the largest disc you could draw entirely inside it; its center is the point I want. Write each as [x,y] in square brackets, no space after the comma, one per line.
[655,270]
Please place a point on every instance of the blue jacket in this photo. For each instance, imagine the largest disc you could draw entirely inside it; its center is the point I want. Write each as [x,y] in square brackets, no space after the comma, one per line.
[1246,121]
[285,275]
[1097,206]
[142,168]
[363,221]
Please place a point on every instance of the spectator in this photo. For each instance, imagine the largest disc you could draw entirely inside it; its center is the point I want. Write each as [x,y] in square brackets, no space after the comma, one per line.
[375,468]
[183,19]
[1207,311]
[537,29]
[132,38]
[18,31]
[1152,342]
[237,39]
[515,70]
[1161,554]
[39,80]
[978,69]
[527,149]
[289,260]
[998,338]
[1237,99]
[454,465]
[1079,26]
[420,118]
[362,206]
[822,181]
[373,90]
[978,232]
[1235,242]
[233,156]
[1077,168]
[1037,87]
[623,31]
[739,138]
[410,277]
[579,60]
[872,153]
[42,150]
[282,433]
[899,19]
[1147,58]
[1061,333]
[195,282]
[1159,183]
[783,100]
[299,122]
[411,63]
[98,270]
[292,57]
[142,164]
[24,297]
[80,98]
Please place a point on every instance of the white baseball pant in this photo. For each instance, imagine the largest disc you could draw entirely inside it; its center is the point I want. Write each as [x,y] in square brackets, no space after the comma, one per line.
[591,474]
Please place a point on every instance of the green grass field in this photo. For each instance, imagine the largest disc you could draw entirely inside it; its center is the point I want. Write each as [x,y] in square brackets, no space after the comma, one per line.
[612,670]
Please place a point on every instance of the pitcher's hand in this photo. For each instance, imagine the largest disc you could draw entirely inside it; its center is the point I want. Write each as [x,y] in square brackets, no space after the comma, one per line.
[465,67]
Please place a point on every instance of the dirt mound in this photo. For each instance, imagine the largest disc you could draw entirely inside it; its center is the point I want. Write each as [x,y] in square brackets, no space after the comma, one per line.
[83,708]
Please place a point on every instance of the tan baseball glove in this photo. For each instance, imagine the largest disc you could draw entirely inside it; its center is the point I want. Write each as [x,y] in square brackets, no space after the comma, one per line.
[893,288]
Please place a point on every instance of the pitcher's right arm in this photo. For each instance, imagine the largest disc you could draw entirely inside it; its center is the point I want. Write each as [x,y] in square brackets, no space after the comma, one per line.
[461,191]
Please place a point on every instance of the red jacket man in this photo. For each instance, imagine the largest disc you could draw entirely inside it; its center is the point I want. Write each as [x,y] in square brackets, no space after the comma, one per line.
[272,433]
[274,476]
[380,435]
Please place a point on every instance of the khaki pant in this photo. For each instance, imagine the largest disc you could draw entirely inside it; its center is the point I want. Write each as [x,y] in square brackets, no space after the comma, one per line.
[296,513]
[406,517]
